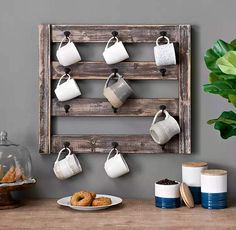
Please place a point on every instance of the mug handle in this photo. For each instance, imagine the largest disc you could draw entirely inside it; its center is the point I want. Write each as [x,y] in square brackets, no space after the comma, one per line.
[66,74]
[59,154]
[168,40]
[158,113]
[111,153]
[110,41]
[110,77]
[63,41]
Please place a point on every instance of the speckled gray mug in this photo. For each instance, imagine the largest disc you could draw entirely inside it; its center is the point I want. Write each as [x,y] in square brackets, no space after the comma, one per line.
[118,92]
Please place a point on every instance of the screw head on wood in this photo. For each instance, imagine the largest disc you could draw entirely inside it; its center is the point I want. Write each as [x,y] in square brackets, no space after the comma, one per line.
[114,33]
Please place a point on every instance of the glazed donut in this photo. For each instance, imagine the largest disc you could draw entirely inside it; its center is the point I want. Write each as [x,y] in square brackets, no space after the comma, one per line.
[101,201]
[81,199]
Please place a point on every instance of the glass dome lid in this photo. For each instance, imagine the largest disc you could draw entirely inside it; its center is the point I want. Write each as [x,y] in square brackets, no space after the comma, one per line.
[15,161]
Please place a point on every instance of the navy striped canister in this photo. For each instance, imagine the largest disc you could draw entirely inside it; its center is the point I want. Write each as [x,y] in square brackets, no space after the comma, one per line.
[167,196]
[214,189]
[191,175]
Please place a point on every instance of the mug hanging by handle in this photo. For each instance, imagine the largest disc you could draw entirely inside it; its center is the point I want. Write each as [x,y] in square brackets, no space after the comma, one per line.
[110,77]
[65,38]
[168,40]
[66,74]
[59,154]
[158,113]
[117,40]
[111,153]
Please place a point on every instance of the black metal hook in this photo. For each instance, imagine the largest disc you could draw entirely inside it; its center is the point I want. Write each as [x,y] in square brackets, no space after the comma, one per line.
[67,34]
[163,108]
[114,109]
[163,33]
[66,144]
[66,107]
[163,147]
[67,70]
[115,71]
[114,144]
[114,33]
[163,72]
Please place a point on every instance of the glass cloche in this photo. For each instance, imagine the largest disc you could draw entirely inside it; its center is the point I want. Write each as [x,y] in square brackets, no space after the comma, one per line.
[15,161]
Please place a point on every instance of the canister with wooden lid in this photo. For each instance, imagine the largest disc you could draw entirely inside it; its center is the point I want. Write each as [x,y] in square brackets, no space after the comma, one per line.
[214,188]
[191,175]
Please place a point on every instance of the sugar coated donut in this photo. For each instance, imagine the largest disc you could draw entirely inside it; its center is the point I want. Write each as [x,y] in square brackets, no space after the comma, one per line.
[81,199]
[101,201]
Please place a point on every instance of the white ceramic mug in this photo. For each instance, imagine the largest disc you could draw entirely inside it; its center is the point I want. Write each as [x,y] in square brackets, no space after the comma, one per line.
[115,53]
[68,89]
[67,54]
[67,167]
[164,54]
[162,131]
[116,166]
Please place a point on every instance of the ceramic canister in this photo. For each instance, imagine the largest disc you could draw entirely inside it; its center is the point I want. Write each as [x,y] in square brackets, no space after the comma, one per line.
[167,196]
[214,188]
[191,175]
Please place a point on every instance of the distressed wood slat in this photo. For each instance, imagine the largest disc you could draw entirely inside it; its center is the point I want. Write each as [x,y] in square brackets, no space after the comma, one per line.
[127,33]
[185,89]
[130,70]
[138,144]
[44,88]
[101,107]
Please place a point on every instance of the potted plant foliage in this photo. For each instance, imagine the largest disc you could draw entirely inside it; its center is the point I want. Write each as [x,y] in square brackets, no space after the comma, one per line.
[221,61]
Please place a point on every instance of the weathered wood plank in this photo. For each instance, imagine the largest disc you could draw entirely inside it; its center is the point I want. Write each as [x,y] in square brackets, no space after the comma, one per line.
[185,89]
[127,33]
[131,71]
[139,144]
[101,107]
[44,88]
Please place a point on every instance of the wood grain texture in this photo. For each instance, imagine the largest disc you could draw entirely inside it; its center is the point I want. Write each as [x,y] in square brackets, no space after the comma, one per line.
[130,70]
[101,107]
[44,88]
[127,33]
[132,214]
[185,89]
[138,144]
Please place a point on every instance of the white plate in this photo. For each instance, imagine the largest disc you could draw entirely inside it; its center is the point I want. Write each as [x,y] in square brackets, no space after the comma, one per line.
[66,202]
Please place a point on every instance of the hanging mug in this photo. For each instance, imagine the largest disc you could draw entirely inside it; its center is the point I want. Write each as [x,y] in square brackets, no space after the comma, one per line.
[67,54]
[164,54]
[115,53]
[67,167]
[68,89]
[116,166]
[118,92]
[162,131]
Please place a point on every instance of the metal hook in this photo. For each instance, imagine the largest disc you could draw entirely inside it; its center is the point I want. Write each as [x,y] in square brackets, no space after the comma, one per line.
[66,145]
[66,107]
[115,71]
[114,109]
[163,72]
[114,144]
[163,108]
[163,33]
[67,70]
[163,147]
[67,34]
[114,33]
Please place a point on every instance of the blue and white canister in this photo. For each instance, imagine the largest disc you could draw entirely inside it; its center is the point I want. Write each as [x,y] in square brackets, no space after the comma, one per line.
[214,189]
[167,196]
[191,175]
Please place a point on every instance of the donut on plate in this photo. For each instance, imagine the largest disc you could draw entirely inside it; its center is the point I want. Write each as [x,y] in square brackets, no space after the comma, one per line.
[81,199]
[101,201]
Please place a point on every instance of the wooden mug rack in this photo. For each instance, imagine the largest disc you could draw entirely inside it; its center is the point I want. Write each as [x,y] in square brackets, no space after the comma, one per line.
[50,70]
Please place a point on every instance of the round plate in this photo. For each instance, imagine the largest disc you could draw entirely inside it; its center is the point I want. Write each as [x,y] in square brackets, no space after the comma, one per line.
[66,202]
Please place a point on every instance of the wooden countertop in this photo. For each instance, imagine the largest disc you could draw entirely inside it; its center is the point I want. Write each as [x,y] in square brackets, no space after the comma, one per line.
[132,214]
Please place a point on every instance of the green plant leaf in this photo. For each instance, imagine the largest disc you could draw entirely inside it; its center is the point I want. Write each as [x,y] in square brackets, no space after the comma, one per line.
[227,63]
[233,43]
[226,124]
[223,88]
[219,49]
[218,77]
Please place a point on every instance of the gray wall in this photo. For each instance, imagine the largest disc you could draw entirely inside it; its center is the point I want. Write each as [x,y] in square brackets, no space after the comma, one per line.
[211,19]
